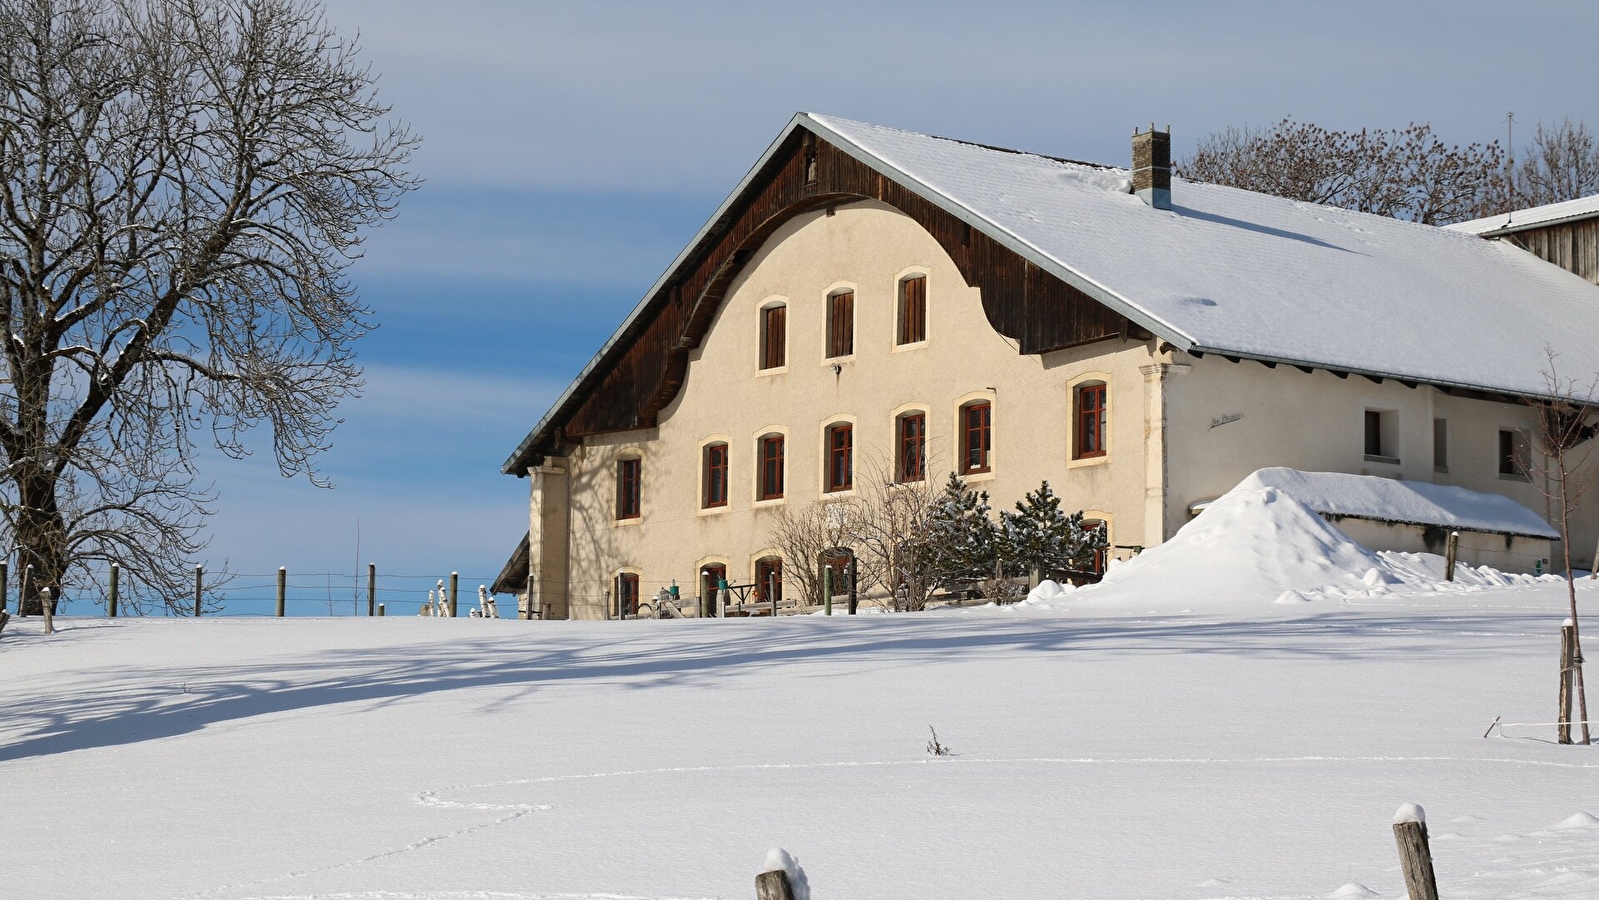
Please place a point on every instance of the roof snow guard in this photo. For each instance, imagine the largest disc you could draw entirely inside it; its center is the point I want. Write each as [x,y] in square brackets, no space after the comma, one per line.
[1224,271]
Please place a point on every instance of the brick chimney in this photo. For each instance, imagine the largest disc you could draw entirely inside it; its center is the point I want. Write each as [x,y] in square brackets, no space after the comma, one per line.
[1152,166]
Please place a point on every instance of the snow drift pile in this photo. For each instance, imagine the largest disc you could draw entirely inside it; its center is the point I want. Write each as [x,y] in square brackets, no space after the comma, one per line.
[1257,545]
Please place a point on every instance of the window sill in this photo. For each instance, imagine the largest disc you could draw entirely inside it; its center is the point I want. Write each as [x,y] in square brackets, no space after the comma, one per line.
[1385,460]
[1098,459]
[838,493]
[775,370]
[978,475]
[913,345]
[1515,476]
[1440,470]
[717,510]
[770,501]
[627,523]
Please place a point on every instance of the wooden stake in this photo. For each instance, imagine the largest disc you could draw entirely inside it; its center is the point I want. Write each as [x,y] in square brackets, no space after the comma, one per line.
[199,587]
[773,886]
[22,594]
[380,610]
[1567,652]
[111,595]
[47,604]
[1449,555]
[283,589]
[5,577]
[1415,859]
[827,589]
[455,581]
[371,588]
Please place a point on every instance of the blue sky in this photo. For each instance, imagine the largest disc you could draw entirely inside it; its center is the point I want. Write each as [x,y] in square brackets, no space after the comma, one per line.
[572,148]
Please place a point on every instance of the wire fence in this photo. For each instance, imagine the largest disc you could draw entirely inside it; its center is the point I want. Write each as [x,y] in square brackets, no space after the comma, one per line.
[307,594]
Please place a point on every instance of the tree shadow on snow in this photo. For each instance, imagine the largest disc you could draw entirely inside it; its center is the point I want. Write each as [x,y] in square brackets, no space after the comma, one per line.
[157,701]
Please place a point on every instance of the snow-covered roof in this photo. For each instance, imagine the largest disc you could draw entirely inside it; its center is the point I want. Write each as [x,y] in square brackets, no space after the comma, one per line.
[1239,273]
[1532,217]
[1404,502]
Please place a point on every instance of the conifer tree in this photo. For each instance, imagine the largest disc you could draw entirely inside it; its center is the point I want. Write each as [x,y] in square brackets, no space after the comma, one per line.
[960,540]
[1039,536]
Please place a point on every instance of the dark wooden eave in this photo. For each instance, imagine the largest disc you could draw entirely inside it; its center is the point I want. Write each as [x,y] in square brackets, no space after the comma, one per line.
[513,576]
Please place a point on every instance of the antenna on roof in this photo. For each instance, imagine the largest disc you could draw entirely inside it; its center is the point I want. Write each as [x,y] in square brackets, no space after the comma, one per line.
[1510,167]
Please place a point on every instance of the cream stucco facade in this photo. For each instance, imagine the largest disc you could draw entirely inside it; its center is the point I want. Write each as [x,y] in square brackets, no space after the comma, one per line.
[1180,428]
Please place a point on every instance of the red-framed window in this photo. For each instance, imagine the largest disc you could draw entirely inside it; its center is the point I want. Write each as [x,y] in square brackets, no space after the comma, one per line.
[840,458]
[627,594]
[841,324]
[629,488]
[913,310]
[774,337]
[912,448]
[977,421]
[771,471]
[769,579]
[1090,421]
[715,476]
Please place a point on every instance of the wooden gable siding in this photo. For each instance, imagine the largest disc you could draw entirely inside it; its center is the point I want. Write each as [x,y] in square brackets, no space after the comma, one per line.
[1573,246]
[648,365]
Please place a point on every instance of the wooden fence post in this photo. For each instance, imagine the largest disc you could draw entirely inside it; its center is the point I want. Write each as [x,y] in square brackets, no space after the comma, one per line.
[1452,549]
[1415,857]
[773,886]
[1568,653]
[5,579]
[199,586]
[827,589]
[22,592]
[380,610]
[111,595]
[854,598]
[47,606]
[371,588]
[283,589]
[455,581]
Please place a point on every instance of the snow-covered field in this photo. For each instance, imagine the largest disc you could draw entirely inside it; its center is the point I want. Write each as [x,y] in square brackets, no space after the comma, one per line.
[1124,746]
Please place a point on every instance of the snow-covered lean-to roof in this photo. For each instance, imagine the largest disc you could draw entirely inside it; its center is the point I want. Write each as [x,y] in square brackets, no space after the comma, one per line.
[1403,502]
[1532,217]
[1239,273]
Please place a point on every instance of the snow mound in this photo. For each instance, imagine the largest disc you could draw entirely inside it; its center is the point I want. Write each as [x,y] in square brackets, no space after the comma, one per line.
[779,860]
[1248,548]
[1580,820]
[1049,590]
[1354,890]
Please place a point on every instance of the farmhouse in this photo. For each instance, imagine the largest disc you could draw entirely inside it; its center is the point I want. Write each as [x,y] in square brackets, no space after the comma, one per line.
[875,304]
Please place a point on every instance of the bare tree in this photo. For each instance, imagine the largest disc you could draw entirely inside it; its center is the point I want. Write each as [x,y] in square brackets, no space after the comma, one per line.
[1564,433]
[1561,162]
[807,535]
[183,185]
[1408,173]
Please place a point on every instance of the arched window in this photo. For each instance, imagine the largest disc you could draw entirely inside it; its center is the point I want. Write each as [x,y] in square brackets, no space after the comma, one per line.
[769,579]
[912,310]
[977,422]
[840,462]
[769,477]
[629,488]
[840,324]
[714,476]
[626,594]
[910,447]
[1090,420]
[774,336]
